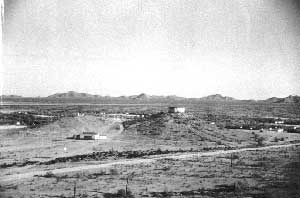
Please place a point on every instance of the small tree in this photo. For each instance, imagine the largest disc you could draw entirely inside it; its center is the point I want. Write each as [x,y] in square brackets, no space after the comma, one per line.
[120,194]
[260,141]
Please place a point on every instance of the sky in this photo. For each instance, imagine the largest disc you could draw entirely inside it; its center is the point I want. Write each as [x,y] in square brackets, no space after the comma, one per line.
[238,48]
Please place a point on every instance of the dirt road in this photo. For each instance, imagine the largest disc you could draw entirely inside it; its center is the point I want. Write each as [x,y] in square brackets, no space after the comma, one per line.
[17,177]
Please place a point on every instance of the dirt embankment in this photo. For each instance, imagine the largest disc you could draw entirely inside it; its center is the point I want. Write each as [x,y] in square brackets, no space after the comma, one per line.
[75,125]
[190,127]
[99,156]
[30,146]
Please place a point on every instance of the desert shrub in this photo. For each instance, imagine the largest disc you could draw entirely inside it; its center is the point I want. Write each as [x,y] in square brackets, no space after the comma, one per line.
[167,138]
[59,178]
[113,171]
[260,141]
[49,174]
[101,173]
[77,175]
[241,186]
[219,142]
[256,175]
[121,193]
[261,164]
[235,156]
[221,125]
[276,139]
[165,194]
[255,136]
[83,195]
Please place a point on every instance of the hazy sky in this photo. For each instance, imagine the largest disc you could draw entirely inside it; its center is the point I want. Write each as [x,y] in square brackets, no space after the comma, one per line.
[244,49]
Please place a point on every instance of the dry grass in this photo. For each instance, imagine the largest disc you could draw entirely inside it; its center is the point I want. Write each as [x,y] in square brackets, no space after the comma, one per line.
[275,171]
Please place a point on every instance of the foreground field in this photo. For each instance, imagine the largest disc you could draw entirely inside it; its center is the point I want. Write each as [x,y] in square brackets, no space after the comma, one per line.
[265,172]
[159,155]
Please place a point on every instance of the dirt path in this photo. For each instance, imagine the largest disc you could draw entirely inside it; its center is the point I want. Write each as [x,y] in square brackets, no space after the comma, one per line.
[21,176]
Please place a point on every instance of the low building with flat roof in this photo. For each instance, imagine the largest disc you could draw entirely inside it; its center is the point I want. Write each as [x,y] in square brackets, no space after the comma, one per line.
[90,136]
[176,109]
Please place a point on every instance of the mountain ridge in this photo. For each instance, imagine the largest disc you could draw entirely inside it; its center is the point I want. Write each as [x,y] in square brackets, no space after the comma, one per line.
[142,96]
[217,97]
[289,99]
[146,97]
[11,96]
[73,94]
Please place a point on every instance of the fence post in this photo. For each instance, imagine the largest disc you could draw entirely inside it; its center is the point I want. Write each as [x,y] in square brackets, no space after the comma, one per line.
[75,189]
[126,188]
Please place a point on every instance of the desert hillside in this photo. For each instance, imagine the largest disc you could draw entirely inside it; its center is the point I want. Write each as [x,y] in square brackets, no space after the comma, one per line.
[69,126]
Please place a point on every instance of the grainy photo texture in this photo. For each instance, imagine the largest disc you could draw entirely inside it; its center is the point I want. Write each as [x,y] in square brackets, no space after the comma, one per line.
[150,98]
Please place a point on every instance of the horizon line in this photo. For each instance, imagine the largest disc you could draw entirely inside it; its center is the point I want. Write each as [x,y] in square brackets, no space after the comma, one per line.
[174,95]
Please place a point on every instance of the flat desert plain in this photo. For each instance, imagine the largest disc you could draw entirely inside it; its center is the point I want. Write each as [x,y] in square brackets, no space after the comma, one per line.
[214,149]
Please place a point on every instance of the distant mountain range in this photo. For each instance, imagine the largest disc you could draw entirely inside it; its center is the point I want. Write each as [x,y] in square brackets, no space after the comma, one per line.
[146,97]
[289,99]
[217,97]
[142,96]
[10,96]
[73,94]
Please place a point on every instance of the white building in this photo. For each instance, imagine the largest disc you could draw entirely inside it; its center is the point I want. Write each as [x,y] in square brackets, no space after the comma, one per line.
[80,114]
[176,109]
[279,122]
[93,136]
[280,130]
